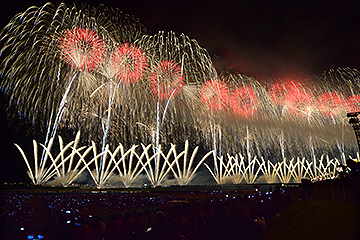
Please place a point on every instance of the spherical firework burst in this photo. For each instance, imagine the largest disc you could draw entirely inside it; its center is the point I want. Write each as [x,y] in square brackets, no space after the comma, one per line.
[166,79]
[178,115]
[38,46]
[331,104]
[215,94]
[292,97]
[127,63]
[82,48]
[244,102]
[353,103]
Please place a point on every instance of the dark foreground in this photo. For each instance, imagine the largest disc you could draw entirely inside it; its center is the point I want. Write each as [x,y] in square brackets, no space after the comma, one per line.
[310,211]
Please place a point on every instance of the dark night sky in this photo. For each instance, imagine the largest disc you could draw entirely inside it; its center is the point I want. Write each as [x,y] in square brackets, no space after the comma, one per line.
[257,38]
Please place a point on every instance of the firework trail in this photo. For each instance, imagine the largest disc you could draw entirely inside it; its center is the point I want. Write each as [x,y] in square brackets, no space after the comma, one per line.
[52,61]
[164,106]
[127,65]
[98,70]
[45,47]
[177,66]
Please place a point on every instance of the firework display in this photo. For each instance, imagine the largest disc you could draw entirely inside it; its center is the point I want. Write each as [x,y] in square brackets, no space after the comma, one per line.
[82,49]
[244,102]
[127,166]
[127,63]
[214,94]
[166,79]
[96,70]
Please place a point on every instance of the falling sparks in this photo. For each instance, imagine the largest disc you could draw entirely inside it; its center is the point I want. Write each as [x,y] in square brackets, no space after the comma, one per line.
[83,70]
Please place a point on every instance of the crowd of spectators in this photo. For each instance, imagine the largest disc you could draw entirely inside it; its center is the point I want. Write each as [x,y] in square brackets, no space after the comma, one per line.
[211,214]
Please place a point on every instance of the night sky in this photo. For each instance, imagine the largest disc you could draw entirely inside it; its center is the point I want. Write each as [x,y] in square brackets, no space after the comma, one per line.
[263,39]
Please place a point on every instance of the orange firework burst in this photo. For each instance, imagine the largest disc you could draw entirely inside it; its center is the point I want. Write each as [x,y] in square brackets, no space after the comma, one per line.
[214,94]
[82,48]
[128,63]
[166,79]
[244,102]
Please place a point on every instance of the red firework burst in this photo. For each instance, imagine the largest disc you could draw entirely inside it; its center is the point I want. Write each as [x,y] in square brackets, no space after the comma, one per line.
[82,48]
[166,79]
[331,103]
[244,102]
[353,103]
[128,63]
[214,94]
[292,96]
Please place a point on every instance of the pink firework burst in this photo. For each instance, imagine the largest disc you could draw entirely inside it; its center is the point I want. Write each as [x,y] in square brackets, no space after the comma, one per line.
[291,96]
[82,48]
[353,103]
[128,63]
[214,94]
[244,102]
[331,103]
[166,79]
